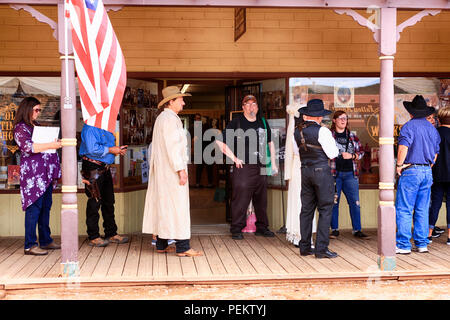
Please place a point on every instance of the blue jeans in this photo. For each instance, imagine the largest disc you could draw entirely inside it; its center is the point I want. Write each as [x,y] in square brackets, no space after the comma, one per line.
[437,195]
[411,205]
[348,183]
[38,214]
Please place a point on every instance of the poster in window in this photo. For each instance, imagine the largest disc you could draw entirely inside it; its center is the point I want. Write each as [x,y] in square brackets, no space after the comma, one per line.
[344,97]
[445,88]
[13,175]
[300,95]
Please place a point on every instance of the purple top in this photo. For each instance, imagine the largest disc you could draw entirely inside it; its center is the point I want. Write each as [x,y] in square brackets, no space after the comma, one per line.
[37,170]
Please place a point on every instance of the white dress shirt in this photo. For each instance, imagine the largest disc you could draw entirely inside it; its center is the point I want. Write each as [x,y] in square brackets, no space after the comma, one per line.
[328,143]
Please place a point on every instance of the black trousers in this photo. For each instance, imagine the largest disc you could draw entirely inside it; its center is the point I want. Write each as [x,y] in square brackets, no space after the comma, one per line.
[199,171]
[248,184]
[317,192]
[106,186]
[180,245]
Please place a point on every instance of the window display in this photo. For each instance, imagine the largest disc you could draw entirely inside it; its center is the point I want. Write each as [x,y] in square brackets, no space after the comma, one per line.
[359,98]
[138,113]
[12,91]
[137,117]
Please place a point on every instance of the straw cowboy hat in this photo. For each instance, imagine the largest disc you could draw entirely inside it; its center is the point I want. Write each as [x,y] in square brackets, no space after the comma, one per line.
[314,108]
[418,108]
[171,92]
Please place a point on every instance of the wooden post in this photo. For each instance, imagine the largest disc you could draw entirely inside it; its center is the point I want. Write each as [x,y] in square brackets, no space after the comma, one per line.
[69,167]
[386,208]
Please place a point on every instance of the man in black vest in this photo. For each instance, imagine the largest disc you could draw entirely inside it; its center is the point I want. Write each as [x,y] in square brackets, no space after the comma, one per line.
[316,146]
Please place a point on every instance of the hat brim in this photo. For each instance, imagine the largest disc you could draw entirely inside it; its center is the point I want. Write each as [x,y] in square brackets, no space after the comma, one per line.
[319,113]
[418,113]
[174,96]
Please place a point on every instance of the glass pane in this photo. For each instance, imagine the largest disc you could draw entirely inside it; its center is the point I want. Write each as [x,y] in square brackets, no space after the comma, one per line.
[359,98]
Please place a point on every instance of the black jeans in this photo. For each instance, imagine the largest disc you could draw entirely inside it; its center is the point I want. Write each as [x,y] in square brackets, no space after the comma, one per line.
[248,184]
[180,245]
[199,171]
[106,187]
[317,192]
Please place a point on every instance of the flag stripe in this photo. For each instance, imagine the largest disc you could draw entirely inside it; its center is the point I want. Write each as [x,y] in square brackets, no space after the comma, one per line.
[100,63]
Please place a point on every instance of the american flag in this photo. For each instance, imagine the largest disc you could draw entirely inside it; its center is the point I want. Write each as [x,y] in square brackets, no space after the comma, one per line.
[99,62]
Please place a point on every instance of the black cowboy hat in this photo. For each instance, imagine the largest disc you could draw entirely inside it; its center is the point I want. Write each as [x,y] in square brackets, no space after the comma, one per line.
[418,107]
[314,108]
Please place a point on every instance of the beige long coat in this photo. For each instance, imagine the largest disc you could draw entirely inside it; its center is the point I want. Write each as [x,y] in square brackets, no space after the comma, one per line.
[166,211]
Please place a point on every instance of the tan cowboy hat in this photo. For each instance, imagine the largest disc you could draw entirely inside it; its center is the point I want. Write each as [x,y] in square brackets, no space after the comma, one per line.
[171,92]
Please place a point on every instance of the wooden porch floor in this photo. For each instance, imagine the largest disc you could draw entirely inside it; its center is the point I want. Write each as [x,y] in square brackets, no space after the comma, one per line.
[253,260]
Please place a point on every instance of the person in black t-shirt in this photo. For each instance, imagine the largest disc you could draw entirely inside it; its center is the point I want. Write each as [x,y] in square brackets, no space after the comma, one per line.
[345,171]
[247,137]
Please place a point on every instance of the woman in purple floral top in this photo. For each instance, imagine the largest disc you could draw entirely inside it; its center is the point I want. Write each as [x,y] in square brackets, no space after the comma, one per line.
[39,172]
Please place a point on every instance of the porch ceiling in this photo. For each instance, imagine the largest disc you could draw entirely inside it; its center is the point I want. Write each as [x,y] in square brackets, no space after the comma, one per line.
[355,4]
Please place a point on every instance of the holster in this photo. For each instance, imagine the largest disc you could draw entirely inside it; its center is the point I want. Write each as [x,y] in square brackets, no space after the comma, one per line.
[92,176]
[303,143]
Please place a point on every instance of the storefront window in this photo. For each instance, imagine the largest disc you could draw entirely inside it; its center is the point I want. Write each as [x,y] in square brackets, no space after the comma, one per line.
[12,91]
[139,107]
[359,98]
[273,98]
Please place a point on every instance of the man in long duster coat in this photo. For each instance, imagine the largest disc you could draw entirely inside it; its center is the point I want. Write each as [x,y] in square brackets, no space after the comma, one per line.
[166,212]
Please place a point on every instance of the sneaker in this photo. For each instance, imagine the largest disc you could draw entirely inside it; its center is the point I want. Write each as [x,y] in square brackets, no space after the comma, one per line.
[448,241]
[359,234]
[435,234]
[237,236]
[334,234]
[438,230]
[266,233]
[153,242]
[421,249]
[169,242]
[402,251]
[430,240]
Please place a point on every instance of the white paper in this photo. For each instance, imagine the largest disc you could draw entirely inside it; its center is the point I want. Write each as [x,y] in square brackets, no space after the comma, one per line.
[45,135]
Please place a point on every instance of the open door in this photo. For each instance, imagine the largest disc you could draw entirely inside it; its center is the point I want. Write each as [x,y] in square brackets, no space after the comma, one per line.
[233,104]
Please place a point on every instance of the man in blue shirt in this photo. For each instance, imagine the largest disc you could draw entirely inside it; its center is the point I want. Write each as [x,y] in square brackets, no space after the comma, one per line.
[98,151]
[418,146]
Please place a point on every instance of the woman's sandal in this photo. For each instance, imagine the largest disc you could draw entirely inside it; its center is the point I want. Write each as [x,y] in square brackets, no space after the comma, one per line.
[167,250]
[190,253]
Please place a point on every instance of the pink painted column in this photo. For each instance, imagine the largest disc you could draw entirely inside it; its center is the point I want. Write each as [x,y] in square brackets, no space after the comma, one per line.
[69,167]
[386,208]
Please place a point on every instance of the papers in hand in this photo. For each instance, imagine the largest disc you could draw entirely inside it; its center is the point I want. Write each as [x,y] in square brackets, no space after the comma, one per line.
[45,135]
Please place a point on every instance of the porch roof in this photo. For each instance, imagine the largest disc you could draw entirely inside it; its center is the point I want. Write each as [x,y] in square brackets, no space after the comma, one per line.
[329,4]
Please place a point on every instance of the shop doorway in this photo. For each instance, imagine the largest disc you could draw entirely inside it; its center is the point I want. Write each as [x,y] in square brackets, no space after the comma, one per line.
[207,182]
[215,102]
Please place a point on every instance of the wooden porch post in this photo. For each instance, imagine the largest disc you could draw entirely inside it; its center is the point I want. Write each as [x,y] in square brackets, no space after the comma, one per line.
[69,167]
[386,208]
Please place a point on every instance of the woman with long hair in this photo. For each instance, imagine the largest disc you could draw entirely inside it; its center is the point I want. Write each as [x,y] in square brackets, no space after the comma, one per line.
[345,171]
[39,172]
